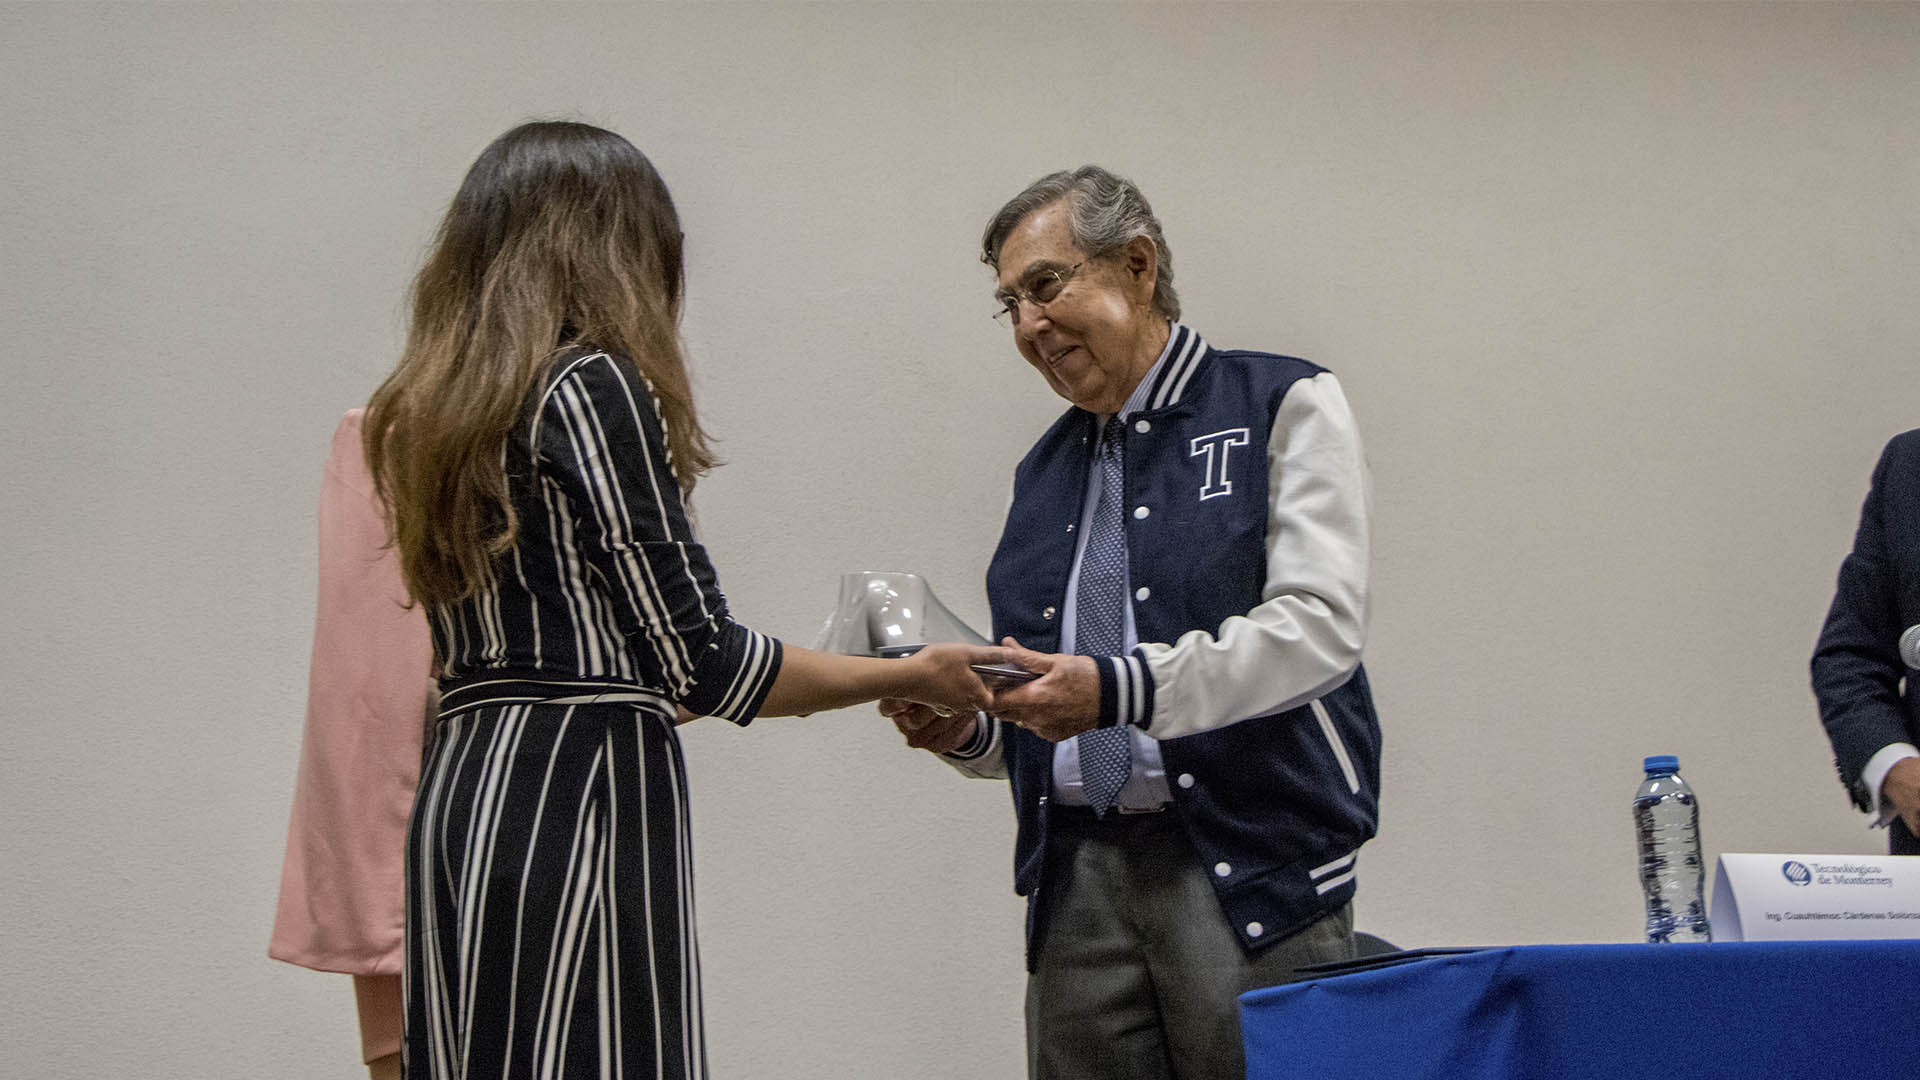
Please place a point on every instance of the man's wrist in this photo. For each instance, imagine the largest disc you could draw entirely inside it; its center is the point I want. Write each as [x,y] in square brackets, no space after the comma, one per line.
[976,744]
[1874,777]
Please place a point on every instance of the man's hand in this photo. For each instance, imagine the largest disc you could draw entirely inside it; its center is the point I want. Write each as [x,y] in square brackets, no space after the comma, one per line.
[1901,790]
[1063,702]
[927,728]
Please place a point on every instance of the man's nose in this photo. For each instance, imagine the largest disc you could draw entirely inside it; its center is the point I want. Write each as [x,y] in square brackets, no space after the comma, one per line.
[1028,316]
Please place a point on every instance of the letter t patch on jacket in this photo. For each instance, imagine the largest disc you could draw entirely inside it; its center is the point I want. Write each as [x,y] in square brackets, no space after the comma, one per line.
[1207,445]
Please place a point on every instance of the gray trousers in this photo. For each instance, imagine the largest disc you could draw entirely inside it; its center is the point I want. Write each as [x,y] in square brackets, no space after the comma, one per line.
[1139,975]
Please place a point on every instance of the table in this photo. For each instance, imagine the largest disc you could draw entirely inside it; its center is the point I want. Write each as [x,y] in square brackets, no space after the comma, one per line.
[1723,1011]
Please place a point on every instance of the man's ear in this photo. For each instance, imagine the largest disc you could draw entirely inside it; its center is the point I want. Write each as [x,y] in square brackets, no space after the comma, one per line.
[1143,264]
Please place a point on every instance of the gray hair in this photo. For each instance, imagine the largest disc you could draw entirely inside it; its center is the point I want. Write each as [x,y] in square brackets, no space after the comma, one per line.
[1107,211]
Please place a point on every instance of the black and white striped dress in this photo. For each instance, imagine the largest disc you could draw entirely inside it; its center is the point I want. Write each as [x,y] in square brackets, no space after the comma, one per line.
[550,921]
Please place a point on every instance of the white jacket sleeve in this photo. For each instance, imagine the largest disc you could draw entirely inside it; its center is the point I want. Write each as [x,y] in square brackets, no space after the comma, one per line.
[1304,638]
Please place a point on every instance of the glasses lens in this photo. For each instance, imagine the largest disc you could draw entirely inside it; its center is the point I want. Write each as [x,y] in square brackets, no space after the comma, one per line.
[1046,286]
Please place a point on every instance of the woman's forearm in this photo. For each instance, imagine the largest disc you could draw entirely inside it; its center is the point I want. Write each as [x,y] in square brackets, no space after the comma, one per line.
[938,675]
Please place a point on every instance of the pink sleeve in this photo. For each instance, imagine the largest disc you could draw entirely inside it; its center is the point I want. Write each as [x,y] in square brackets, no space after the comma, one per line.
[341,906]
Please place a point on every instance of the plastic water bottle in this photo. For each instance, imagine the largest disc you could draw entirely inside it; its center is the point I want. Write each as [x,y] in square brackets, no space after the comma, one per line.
[1667,818]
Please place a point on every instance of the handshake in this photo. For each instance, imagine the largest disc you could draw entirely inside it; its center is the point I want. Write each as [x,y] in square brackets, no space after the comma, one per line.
[1053,695]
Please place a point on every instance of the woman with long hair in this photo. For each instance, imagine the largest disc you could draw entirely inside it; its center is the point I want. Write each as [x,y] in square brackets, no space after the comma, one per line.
[534,447]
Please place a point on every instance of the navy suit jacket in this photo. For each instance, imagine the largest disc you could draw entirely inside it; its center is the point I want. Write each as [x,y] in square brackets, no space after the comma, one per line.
[1867,699]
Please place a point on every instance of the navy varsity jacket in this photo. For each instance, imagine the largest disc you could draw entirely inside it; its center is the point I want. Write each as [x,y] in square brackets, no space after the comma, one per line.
[1284,800]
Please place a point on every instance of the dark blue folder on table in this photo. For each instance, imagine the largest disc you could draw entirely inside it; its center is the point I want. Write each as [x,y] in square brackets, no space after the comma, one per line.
[1725,1011]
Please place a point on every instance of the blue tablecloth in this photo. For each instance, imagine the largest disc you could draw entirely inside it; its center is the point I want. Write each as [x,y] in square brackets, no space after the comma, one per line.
[1732,1010]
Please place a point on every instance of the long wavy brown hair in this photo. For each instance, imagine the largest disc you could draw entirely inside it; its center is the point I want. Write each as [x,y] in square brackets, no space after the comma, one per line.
[561,234]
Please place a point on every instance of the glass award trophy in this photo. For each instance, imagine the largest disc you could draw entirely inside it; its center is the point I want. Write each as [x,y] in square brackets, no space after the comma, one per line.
[894,613]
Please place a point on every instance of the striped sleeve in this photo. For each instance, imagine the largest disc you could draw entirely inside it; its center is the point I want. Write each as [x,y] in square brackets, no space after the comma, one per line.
[600,439]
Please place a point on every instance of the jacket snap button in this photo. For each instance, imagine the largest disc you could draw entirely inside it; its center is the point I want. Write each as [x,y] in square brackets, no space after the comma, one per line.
[1047,614]
[1141,511]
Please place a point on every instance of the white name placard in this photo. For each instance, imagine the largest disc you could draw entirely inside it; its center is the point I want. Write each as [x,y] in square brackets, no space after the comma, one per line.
[1816,897]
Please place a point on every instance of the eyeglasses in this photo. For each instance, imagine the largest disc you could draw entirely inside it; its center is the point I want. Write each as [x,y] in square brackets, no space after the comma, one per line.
[1041,289]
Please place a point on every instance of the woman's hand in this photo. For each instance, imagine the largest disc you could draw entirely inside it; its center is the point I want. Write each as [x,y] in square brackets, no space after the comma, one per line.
[942,676]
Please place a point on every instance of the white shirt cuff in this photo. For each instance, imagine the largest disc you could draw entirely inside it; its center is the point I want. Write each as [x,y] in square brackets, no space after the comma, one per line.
[1875,774]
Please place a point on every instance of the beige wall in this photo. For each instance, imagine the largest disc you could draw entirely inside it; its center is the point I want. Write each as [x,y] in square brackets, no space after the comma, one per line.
[1625,298]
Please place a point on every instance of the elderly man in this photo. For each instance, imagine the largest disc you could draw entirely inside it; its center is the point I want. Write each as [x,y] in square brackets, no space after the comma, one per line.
[1185,565]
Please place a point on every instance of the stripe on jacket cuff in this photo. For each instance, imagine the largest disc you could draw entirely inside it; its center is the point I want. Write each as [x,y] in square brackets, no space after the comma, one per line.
[982,739]
[1126,690]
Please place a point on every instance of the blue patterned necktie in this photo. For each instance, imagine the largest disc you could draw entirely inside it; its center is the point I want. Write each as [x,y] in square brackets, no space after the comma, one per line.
[1106,754]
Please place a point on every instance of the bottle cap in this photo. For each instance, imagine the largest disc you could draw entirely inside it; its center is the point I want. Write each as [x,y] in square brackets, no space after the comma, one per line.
[1662,763]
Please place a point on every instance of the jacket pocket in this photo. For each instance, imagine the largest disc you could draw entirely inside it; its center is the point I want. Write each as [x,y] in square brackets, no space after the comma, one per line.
[1338,746]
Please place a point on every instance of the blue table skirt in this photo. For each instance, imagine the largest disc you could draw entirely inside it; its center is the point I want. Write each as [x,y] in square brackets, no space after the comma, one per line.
[1733,1010]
